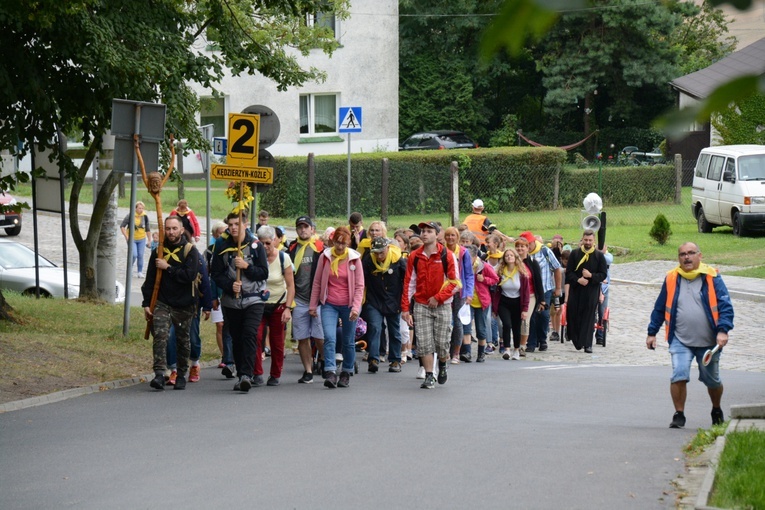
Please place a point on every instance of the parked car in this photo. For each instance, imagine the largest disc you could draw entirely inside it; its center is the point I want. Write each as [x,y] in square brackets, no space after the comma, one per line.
[729,188]
[9,221]
[17,273]
[438,140]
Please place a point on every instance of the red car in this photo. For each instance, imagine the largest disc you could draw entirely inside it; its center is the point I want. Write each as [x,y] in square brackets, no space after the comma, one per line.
[9,221]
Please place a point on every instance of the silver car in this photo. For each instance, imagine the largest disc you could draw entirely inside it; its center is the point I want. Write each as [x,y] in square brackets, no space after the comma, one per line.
[17,273]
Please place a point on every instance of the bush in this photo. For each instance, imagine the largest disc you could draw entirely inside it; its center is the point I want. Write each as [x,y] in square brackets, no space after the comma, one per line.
[660,231]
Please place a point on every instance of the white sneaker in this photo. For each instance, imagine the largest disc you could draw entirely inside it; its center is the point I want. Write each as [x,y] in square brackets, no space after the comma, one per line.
[140,275]
[516,354]
[506,354]
[455,361]
[421,373]
[339,356]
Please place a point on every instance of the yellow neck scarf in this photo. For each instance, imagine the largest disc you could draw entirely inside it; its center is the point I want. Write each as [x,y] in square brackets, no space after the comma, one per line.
[508,275]
[301,251]
[537,247]
[586,256]
[692,275]
[336,259]
[496,255]
[394,254]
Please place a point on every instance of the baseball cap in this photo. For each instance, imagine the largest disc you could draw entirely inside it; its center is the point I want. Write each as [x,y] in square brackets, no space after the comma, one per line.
[305,219]
[477,203]
[414,228]
[429,224]
[528,236]
[379,245]
[557,236]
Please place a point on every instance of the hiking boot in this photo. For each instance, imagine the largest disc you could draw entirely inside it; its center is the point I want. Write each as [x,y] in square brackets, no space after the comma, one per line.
[467,358]
[395,366]
[373,366]
[228,371]
[678,420]
[257,381]
[331,380]
[171,378]
[158,383]
[180,383]
[421,373]
[245,383]
[442,374]
[306,379]
[429,383]
[543,347]
[481,358]
[345,380]
[194,373]
[717,416]
[272,381]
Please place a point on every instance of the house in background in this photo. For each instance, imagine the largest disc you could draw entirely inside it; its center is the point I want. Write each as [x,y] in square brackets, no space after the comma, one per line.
[697,86]
[363,72]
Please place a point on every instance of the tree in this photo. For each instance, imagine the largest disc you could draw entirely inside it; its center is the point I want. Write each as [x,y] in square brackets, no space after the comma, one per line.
[742,122]
[701,38]
[62,63]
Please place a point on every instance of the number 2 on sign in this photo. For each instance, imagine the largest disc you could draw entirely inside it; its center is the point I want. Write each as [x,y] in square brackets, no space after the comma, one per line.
[240,145]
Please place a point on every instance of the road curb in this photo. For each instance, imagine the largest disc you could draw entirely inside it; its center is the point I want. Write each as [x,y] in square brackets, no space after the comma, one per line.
[709,479]
[59,396]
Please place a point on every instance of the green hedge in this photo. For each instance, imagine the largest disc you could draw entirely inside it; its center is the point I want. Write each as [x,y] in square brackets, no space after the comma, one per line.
[506,179]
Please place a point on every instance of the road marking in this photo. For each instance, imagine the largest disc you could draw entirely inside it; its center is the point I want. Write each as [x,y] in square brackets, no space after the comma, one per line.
[565,367]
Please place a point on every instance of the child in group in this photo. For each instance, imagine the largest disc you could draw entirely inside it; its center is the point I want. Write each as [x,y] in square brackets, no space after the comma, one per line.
[154,240]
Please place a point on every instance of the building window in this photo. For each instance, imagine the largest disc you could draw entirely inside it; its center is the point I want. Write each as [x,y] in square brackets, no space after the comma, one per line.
[318,114]
[323,19]
[213,111]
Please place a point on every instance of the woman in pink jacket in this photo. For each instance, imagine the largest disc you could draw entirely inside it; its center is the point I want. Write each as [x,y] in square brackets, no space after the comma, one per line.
[338,287]
[480,302]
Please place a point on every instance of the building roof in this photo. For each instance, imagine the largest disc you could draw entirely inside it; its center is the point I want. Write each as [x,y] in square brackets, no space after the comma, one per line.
[700,84]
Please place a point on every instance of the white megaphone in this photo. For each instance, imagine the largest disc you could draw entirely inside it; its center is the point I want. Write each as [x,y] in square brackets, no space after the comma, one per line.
[592,205]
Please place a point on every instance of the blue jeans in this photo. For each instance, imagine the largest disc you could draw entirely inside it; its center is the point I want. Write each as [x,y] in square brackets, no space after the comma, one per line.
[479,316]
[540,324]
[374,331]
[194,338]
[228,348]
[138,248]
[329,316]
[490,319]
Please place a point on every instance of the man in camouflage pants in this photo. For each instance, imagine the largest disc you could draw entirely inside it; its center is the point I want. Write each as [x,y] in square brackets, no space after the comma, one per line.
[175,304]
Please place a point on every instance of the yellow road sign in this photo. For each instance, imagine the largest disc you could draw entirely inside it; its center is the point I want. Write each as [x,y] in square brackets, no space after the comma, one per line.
[258,174]
[243,136]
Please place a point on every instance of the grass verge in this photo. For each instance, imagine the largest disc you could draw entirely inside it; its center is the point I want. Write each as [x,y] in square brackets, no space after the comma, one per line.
[61,344]
[739,476]
[704,438]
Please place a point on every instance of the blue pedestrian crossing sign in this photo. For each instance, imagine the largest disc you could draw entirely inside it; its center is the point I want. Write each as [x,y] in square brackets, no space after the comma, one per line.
[350,119]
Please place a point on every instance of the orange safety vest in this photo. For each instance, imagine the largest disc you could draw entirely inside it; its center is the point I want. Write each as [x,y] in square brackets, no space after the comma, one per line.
[474,223]
[672,288]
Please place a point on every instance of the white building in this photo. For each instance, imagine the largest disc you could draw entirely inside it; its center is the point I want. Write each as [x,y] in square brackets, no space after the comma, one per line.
[363,72]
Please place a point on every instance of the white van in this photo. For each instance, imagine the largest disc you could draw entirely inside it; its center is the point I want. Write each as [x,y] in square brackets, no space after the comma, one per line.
[729,188]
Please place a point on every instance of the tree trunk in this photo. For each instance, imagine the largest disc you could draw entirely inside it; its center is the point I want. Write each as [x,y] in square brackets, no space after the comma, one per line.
[5,309]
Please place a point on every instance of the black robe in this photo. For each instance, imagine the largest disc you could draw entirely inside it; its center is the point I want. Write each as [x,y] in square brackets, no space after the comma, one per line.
[583,300]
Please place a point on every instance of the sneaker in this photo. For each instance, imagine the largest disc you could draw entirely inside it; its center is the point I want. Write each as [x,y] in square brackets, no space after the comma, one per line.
[373,366]
[180,383]
[522,351]
[717,416]
[442,374]
[267,351]
[272,381]
[158,383]
[306,379]
[543,347]
[228,371]
[140,275]
[481,358]
[257,381]
[489,349]
[345,380]
[331,380]
[421,373]
[221,365]
[678,420]
[194,373]
[467,358]
[429,383]
[339,357]
[516,354]
[555,336]
[506,355]
[395,366]
[530,349]
[172,378]
[245,383]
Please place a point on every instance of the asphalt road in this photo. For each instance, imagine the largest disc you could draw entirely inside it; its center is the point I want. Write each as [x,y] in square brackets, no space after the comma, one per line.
[498,435]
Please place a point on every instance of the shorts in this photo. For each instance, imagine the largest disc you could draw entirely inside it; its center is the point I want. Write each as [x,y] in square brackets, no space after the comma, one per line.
[216,316]
[434,329]
[682,358]
[303,325]
[525,323]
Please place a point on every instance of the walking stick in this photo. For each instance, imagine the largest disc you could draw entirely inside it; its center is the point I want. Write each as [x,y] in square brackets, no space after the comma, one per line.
[154,183]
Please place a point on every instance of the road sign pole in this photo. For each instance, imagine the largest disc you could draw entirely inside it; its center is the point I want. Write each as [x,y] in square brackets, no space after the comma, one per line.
[349,176]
